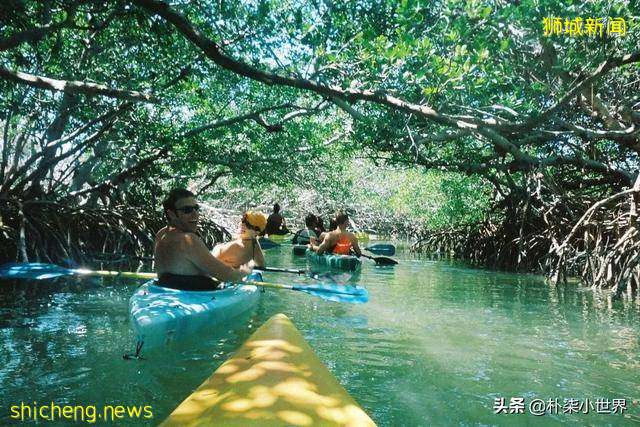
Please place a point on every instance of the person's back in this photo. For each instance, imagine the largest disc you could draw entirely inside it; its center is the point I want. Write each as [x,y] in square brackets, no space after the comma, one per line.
[169,242]
[275,222]
[246,247]
[343,243]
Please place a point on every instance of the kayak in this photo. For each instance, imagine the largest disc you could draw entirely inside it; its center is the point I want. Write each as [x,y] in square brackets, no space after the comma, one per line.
[160,315]
[274,379]
[299,250]
[362,236]
[339,262]
[280,238]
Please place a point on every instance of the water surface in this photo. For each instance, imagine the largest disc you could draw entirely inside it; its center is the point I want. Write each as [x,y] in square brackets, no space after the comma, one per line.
[438,344]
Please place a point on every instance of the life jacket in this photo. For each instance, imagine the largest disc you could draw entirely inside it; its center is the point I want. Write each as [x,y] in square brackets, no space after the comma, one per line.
[343,247]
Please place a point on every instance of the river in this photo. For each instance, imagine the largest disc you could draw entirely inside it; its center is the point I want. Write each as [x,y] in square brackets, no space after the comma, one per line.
[437,344]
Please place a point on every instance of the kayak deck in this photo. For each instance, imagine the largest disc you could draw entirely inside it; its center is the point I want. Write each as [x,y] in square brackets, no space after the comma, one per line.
[339,262]
[274,379]
[280,238]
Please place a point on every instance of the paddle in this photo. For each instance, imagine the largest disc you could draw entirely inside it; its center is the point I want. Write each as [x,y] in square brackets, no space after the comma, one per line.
[382,249]
[381,260]
[310,274]
[267,243]
[326,291]
[341,278]
[39,271]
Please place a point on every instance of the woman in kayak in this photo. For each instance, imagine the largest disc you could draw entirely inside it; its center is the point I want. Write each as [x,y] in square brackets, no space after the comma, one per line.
[246,248]
[338,241]
[182,260]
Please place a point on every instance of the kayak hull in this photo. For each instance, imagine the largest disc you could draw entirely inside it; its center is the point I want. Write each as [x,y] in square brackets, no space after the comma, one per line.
[160,315]
[280,238]
[336,262]
[274,379]
[299,250]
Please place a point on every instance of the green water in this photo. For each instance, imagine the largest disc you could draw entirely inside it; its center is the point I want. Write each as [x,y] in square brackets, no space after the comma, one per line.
[438,344]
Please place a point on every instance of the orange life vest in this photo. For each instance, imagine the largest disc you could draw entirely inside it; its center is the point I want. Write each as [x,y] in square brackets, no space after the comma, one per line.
[343,247]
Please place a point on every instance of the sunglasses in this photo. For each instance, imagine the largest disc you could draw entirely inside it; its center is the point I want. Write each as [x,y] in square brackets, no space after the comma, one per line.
[188,209]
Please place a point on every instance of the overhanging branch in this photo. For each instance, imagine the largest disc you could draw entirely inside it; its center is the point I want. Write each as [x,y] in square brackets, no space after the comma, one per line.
[74,86]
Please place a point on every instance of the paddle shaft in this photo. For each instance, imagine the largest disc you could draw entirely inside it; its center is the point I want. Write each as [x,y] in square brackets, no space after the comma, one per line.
[342,291]
[105,273]
[283,270]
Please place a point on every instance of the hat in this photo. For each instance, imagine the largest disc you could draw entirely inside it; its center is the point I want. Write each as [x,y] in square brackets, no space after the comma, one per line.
[255,219]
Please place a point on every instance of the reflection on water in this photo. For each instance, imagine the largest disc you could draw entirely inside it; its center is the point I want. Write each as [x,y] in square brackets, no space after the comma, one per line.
[438,343]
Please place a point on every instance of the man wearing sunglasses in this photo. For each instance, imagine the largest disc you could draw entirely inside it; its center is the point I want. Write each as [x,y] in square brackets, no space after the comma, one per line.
[182,260]
[246,248]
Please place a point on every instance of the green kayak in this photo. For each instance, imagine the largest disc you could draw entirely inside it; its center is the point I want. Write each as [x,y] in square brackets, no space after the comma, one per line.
[338,262]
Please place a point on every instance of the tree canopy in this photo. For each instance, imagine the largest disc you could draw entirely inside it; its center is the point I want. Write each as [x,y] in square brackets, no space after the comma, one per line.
[102,101]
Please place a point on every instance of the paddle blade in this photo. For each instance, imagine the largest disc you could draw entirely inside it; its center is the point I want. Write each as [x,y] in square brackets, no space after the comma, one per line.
[382,249]
[382,260]
[267,243]
[335,292]
[33,270]
[330,277]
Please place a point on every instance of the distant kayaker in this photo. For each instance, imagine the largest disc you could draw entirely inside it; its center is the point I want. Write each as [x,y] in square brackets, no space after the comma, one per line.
[339,241]
[245,248]
[182,260]
[308,234]
[276,223]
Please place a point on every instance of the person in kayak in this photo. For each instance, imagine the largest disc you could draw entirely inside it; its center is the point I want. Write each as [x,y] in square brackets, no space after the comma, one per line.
[338,241]
[319,225]
[244,249]
[182,260]
[332,226]
[308,234]
[276,223]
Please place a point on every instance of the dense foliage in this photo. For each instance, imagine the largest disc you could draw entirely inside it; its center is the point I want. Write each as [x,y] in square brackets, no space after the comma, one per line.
[105,102]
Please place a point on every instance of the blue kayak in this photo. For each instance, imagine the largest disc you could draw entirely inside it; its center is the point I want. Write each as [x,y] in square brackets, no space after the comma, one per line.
[160,315]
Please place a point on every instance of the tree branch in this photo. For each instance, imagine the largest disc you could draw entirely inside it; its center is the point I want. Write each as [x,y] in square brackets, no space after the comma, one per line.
[72,87]
[35,34]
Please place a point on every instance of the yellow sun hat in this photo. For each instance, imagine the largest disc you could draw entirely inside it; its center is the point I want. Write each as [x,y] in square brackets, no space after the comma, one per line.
[255,219]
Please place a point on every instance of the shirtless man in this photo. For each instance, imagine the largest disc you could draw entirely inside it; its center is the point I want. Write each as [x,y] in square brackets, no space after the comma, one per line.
[182,260]
[244,249]
[338,241]
[276,223]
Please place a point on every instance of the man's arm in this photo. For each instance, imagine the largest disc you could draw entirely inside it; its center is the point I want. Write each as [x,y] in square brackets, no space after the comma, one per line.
[258,255]
[326,244]
[355,246]
[197,253]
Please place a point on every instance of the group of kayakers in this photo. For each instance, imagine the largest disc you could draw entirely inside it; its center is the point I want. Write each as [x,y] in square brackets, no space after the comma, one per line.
[336,240]
[182,260]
